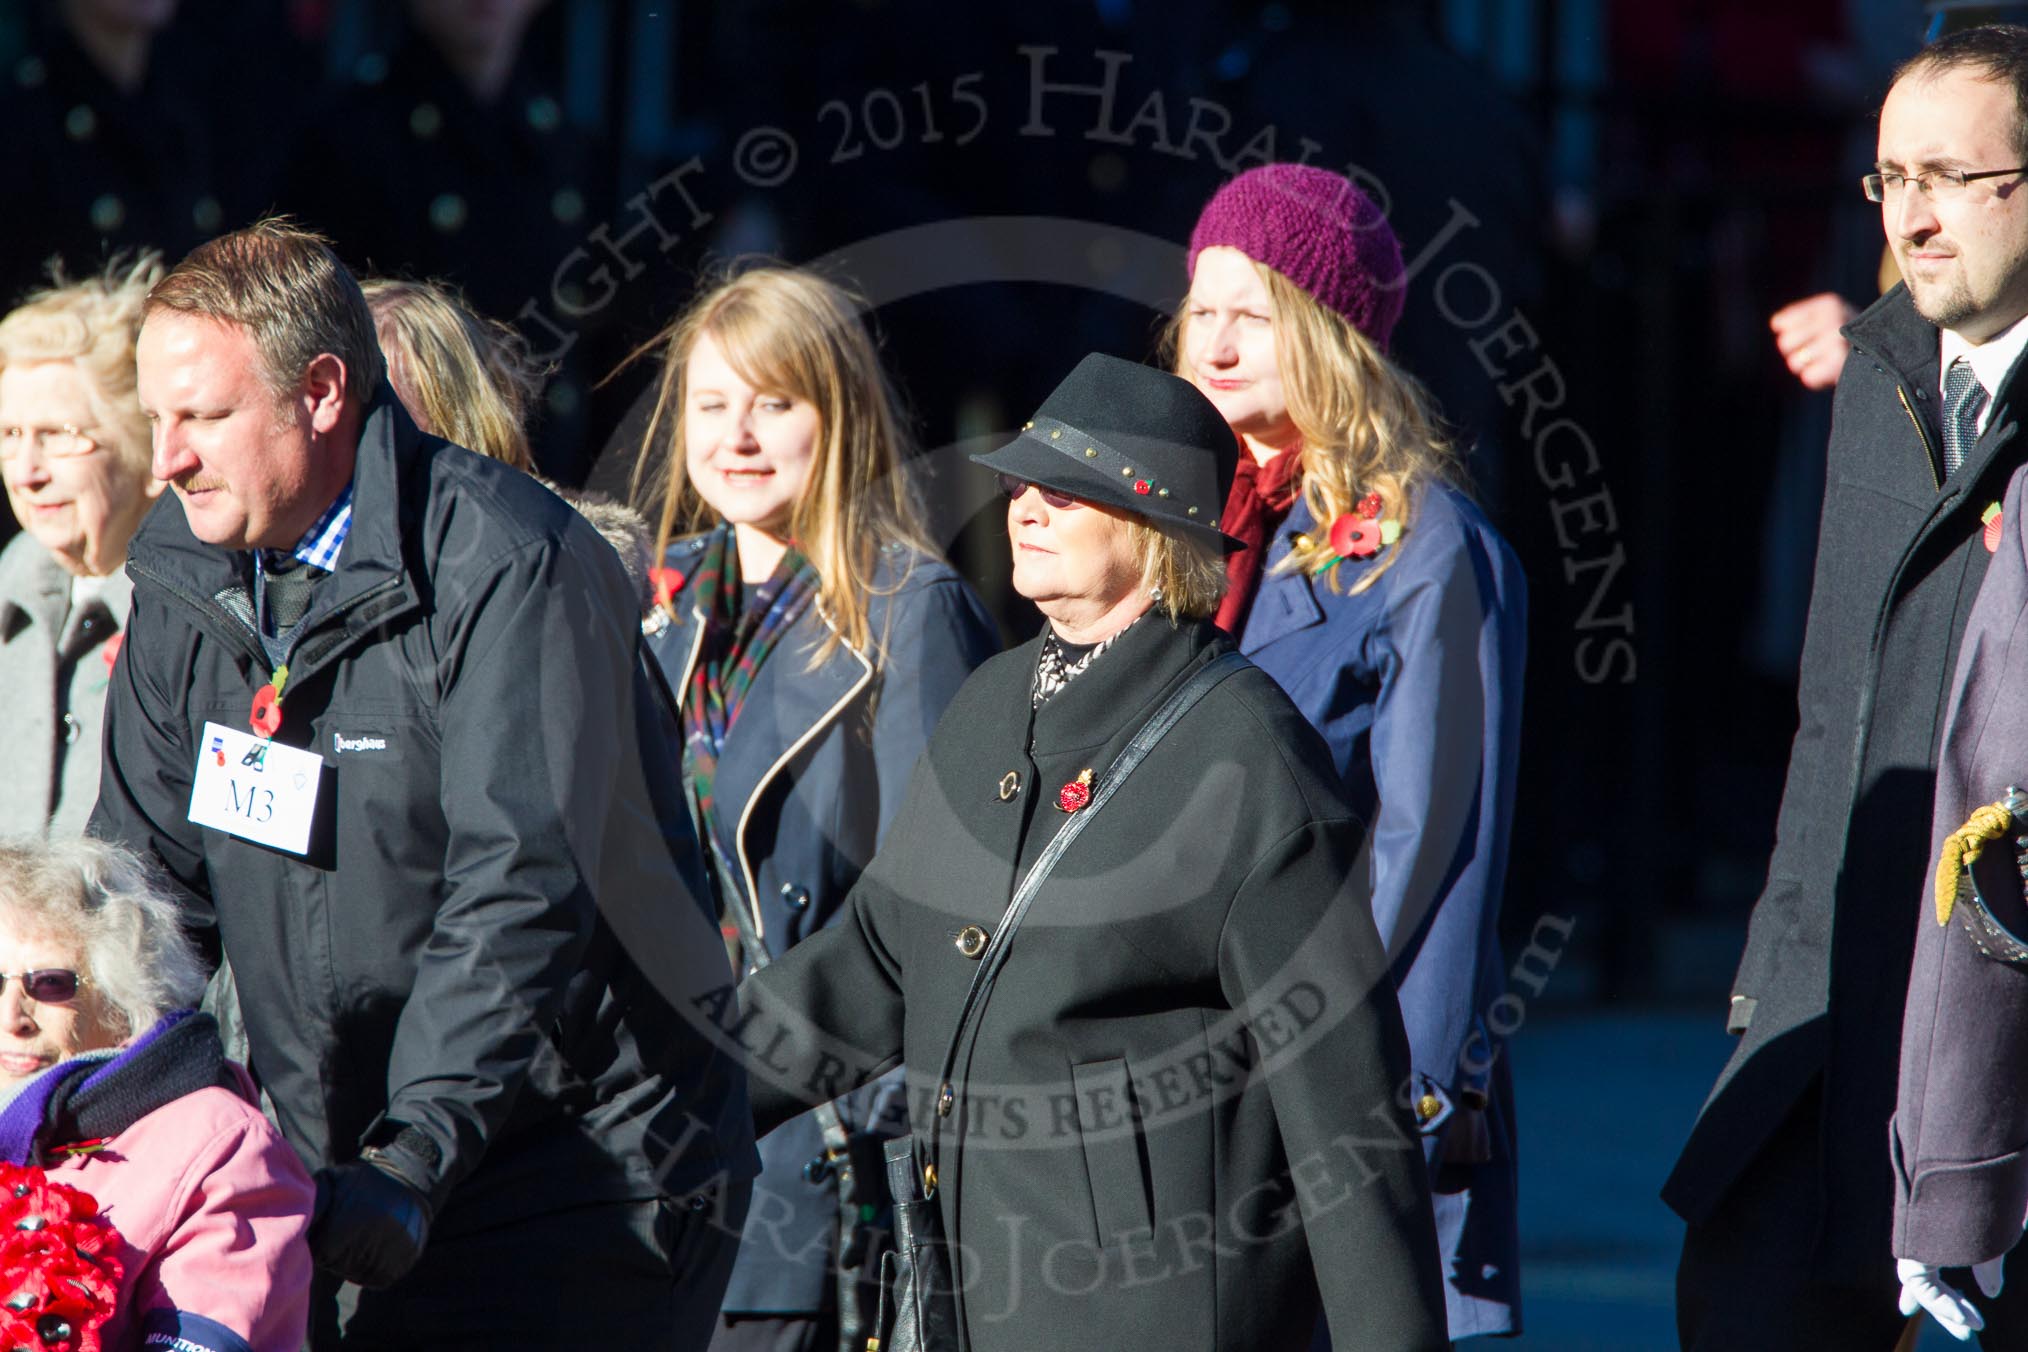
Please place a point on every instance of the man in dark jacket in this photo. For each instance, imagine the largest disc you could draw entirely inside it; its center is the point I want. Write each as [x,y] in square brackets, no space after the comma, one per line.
[1785,1180]
[452,876]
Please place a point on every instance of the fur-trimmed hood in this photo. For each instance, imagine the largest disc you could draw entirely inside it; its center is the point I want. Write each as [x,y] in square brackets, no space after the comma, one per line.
[625,529]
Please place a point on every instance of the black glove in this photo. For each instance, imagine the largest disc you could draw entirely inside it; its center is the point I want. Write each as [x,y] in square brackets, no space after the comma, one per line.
[372,1218]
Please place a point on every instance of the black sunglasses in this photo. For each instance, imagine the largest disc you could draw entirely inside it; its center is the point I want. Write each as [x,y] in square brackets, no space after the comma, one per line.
[49,986]
[1014,488]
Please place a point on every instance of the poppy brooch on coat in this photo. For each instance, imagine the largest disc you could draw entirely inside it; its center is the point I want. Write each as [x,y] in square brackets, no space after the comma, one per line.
[1357,534]
[1994,524]
[111,653]
[1076,795]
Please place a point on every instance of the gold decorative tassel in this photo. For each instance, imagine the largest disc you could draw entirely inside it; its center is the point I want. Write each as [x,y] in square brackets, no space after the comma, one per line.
[1961,849]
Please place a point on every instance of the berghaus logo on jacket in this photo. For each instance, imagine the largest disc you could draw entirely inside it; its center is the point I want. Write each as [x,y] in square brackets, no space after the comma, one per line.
[340,743]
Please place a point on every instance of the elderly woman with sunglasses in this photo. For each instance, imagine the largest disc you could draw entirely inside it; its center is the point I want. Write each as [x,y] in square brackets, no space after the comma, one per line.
[114,1085]
[1152,1047]
[74,455]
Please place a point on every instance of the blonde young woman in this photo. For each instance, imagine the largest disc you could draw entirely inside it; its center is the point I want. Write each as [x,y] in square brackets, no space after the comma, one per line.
[74,455]
[1375,592]
[812,636]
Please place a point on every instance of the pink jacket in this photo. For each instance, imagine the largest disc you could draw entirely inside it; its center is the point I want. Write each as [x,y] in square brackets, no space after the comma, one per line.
[213,1210]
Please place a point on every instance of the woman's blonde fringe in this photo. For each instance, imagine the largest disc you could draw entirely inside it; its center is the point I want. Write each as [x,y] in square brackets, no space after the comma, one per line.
[790,331]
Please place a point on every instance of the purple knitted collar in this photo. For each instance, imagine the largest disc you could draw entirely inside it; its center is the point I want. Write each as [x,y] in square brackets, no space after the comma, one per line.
[28,1112]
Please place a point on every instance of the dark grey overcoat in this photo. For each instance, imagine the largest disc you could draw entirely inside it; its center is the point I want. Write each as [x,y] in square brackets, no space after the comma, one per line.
[1817,998]
[1960,1141]
[1179,1116]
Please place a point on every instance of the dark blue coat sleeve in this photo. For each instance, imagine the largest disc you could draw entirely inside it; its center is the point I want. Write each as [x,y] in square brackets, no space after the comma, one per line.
[1443,746]
[934,642]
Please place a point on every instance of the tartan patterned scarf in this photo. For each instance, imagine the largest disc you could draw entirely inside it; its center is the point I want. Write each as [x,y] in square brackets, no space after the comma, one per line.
[737,639]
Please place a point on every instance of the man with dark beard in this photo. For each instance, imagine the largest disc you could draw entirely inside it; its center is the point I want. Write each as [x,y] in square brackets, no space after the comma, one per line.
[1786,1180]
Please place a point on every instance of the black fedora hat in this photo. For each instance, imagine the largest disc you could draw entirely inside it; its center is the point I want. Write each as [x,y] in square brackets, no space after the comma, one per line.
[1133,438]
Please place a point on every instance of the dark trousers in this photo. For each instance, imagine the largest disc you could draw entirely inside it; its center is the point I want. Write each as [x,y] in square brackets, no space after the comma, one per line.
[1744,1283]
[621,1275]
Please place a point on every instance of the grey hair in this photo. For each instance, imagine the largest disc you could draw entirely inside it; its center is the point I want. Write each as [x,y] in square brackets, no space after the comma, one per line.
[136,954]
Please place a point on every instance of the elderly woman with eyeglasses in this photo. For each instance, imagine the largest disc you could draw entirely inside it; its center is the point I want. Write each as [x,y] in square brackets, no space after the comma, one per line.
[113,1084]
[74,454]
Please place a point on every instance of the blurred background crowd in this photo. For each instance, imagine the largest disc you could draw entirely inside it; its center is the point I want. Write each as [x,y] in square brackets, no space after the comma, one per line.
[1643,184]
[1602,203]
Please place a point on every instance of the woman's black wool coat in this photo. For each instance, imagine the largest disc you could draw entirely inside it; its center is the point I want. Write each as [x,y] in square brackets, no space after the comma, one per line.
[1177,1121]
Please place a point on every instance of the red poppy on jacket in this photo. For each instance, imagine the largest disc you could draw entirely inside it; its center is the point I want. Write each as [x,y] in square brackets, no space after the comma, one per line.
[1354,537]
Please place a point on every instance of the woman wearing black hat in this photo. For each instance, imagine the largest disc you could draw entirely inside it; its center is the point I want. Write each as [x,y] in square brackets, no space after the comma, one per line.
[1122,941]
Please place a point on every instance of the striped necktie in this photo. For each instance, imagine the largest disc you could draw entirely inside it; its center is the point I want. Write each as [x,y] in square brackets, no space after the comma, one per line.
[1964,397]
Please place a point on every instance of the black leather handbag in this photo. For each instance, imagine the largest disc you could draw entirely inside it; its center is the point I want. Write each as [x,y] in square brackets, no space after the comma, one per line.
[921,1283]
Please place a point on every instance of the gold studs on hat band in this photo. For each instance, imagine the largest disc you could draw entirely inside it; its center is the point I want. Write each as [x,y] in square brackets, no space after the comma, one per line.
[1107,458]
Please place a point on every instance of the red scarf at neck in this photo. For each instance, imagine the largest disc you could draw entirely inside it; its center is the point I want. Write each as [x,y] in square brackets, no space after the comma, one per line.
[1255,508]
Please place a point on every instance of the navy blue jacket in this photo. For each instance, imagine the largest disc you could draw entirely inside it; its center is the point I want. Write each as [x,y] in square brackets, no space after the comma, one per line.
[809,778]
[1416,685]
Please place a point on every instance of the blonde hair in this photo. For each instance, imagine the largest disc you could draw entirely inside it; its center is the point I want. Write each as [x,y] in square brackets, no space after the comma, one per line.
[793,332]
[462,376]
[1366,425]
[93,325]
[285,286]
[1190,572]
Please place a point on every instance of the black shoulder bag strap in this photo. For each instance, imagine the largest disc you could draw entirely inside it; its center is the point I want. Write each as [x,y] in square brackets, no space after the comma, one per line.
[995,957]
[836,1161]
[917,1276]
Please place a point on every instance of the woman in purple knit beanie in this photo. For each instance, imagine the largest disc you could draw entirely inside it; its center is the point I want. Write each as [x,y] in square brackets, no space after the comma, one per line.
[1392,612]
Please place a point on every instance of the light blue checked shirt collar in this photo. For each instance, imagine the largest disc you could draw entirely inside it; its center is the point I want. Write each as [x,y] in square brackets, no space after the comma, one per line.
[320,544]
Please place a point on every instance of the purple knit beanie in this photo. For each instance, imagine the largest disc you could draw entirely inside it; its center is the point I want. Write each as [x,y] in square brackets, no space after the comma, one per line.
[1320,232]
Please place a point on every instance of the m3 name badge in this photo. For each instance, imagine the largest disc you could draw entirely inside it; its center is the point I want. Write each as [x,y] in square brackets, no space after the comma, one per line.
[249,787]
